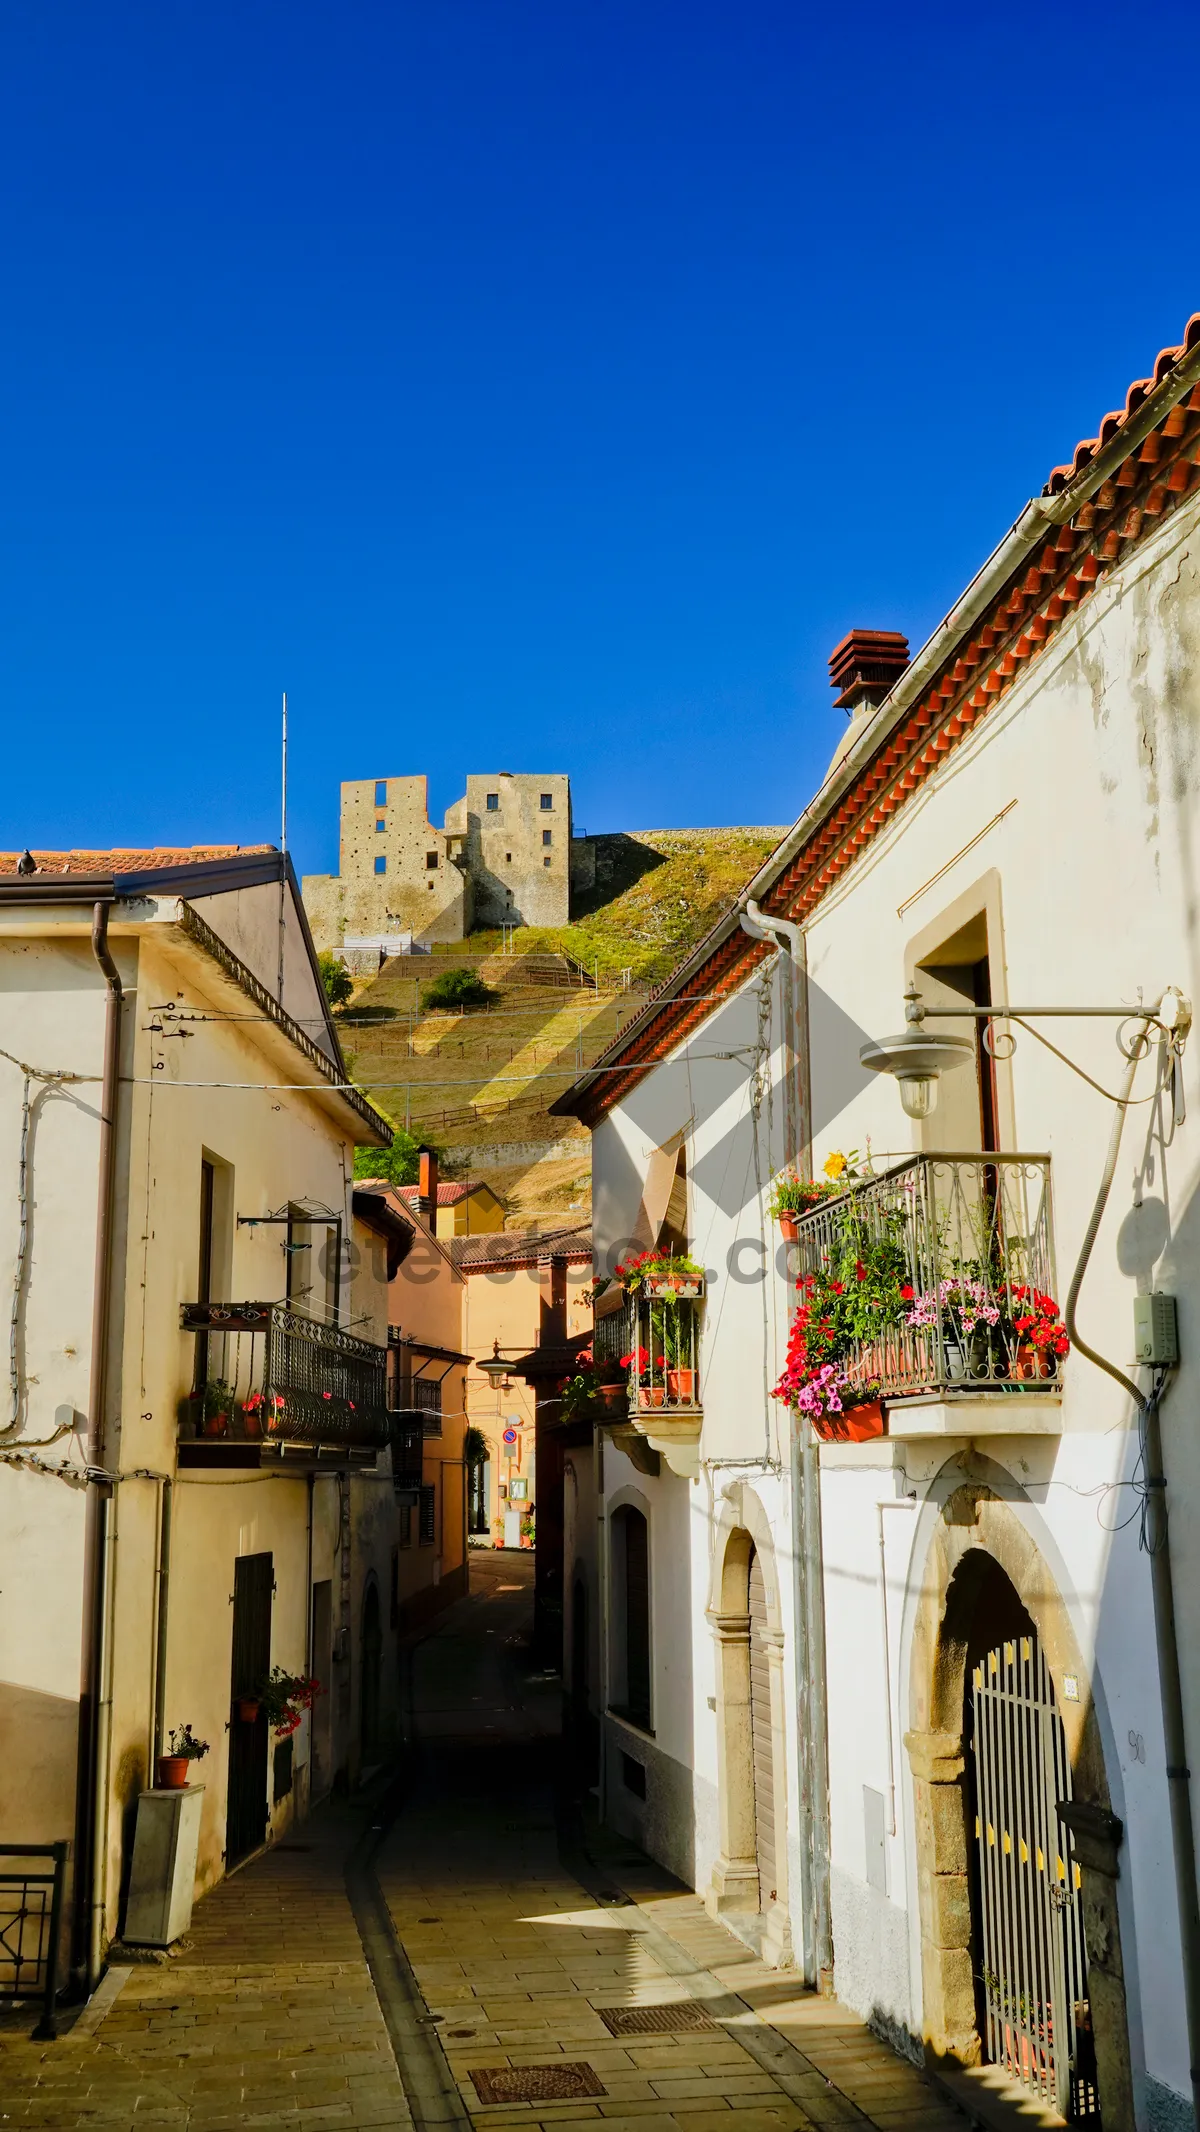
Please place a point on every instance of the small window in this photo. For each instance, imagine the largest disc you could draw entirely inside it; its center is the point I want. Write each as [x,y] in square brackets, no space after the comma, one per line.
[508,858]
[633,1776]
[380,825]
[381,864]
[545,862]
[406,1511]
[547,802]
[427,1516]
[547,836]
[381,792]
[493,803]
[431,884]
[431,860]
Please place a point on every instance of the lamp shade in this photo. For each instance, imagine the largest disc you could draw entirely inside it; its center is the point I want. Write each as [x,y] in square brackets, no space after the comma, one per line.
[916,1058]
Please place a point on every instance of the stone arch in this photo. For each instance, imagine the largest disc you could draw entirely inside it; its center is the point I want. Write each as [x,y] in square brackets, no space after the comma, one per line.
[744,1530]
[977,1527]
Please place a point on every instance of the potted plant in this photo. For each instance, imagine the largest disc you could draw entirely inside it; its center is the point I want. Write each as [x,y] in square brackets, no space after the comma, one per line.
[793,1196]
[677,1351]
[661,1273]
[173,1767]
[284,1697]
[218,1402]
[252,1414]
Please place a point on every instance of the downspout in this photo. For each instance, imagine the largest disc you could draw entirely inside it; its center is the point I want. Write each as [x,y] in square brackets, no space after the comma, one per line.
[92,1795]
[1157,1545]
[166,1492]
[804,1472]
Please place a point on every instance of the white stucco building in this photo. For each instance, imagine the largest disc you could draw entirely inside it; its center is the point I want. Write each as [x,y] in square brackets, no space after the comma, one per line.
[196,1481]
[830,1628]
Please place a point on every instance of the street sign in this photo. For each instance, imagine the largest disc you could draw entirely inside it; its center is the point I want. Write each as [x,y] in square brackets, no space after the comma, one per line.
[510,1436]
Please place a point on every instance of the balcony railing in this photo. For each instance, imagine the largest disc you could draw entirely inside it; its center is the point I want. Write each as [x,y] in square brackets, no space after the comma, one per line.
[944,1264]
[408,1448]
[659,1329]
[271,1373]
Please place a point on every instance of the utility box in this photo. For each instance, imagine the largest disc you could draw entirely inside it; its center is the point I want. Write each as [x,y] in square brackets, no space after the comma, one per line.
[165,1843]
[1155,1330]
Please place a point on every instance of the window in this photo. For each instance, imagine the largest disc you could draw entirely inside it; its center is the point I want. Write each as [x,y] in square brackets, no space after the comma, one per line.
[431,884]
[381,792]
[546,862]
[380,825]
[427,1398]
[493,803]
[431,860]
[633,1776]
[547,802]
[406,1511]
[631,1614]
[547,836]
[381,864]
[427,1515]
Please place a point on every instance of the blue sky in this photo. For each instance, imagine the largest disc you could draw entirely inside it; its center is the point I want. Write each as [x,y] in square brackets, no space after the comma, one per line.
[532,386]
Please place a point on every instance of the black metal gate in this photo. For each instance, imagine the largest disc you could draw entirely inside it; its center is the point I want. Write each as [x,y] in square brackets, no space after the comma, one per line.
[1032,1966]
[246,1815]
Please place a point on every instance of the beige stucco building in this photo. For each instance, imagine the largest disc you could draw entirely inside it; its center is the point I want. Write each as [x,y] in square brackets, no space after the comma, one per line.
[197,1481]
[502,857]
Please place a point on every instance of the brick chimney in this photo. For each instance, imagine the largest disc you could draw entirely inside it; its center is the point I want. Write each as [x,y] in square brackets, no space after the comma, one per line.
[865,665]
[427,1184]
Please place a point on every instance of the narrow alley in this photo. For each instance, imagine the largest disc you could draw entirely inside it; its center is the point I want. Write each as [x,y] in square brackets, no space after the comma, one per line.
[460,1946]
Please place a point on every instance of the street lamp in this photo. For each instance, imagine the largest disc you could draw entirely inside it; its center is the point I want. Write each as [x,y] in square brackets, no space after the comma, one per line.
[495,1369]
[916,1058]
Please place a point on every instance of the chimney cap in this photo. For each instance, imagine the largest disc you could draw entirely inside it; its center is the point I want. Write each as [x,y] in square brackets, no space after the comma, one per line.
[866,664]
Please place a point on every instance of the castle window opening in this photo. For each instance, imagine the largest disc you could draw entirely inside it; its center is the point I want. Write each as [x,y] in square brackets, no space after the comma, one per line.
[431,859]
[547,836]
[381,792]
[508,858]
[547,802]
[493,803]
[380,825]
[381,864]
[545,862]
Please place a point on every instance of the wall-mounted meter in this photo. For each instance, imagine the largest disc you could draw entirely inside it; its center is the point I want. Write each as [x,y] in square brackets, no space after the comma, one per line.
[1155,1330]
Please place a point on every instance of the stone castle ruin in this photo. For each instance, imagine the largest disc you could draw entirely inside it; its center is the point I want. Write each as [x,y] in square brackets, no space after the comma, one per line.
[503,857]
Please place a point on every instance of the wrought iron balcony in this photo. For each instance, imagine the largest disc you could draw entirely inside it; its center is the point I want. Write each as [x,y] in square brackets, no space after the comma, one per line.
[268,1374]
[656,1335]
[934,1278]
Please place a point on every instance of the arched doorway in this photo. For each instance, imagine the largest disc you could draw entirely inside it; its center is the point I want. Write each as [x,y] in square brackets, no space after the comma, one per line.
[1032,2006]
[749,1877]
[1016,1841]
[372,1669]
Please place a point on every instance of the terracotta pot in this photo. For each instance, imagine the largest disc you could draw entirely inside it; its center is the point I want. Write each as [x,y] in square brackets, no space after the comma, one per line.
[681,1387]
[789,1225]
[247,1709]
[1031,1361]
[857,1425]
[216,1424]
[252,1421]
[613,1395]
[651,1395]
[172,1772]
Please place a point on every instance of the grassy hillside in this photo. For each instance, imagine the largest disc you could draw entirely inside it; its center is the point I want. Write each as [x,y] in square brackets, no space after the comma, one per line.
[475,1079]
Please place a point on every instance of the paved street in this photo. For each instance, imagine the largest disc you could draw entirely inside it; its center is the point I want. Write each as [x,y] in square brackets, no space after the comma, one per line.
[457,1924]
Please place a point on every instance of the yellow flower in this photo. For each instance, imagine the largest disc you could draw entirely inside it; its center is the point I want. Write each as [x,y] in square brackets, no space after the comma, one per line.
[835,1165]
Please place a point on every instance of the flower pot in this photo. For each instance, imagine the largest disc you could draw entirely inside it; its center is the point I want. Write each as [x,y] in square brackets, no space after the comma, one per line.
[678,1284]
[216,1424]
[613,1396]
[1030,1361]
[247,1709]
[864,1422]
[172,1772]
[651,1395]
[681,1387]
[789,1225]
[252,1420]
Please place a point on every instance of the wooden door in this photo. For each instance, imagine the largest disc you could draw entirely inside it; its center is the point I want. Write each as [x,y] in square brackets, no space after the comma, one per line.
[762,1746]
[246,1811]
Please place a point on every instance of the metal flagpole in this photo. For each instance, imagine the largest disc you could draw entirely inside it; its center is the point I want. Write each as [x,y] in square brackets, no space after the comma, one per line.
[283,853]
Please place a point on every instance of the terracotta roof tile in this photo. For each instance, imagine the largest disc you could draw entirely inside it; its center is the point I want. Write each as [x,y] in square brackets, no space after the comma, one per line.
[1087,448]
[128,862]
[448,1195]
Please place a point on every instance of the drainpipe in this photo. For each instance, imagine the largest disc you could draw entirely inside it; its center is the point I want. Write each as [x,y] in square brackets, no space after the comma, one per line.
[1157,1545]
[166,1491]
[804,1470]
[92,1788]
